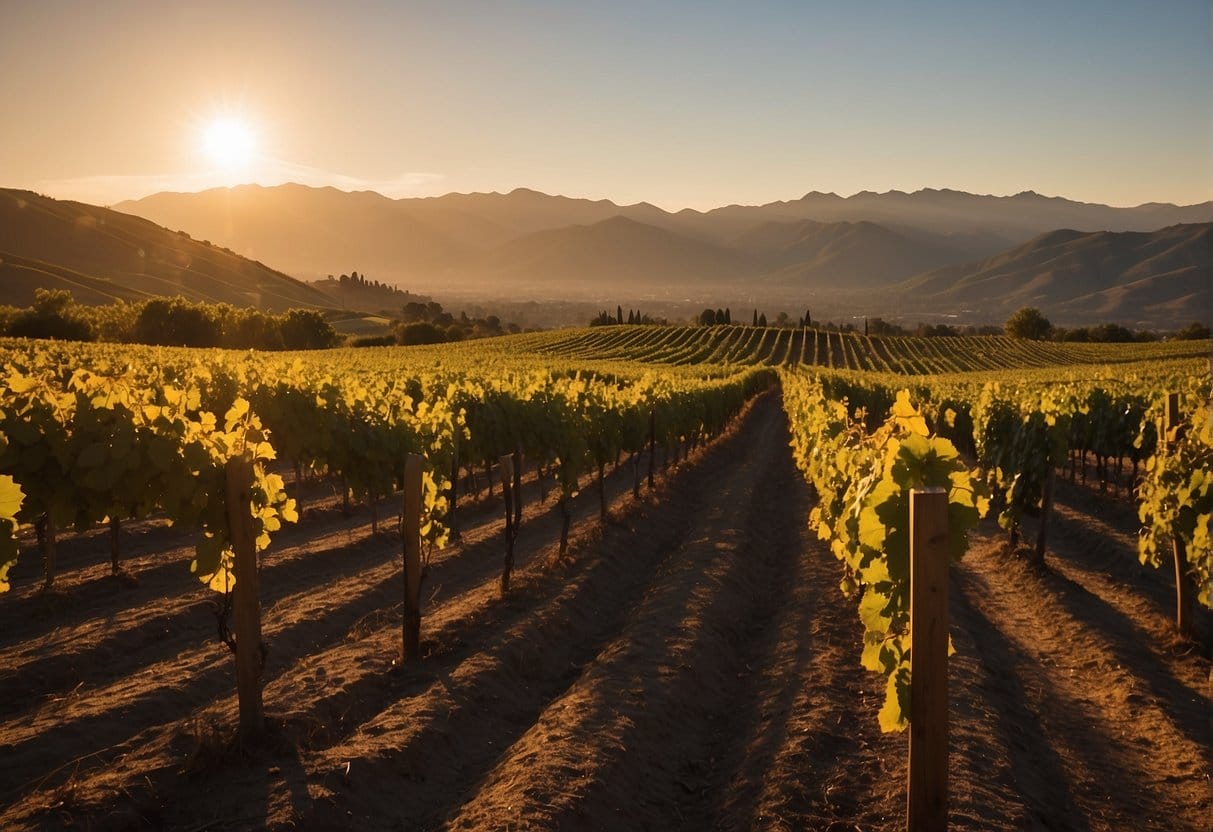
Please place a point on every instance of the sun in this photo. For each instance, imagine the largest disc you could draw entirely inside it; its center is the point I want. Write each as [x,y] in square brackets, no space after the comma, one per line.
[229,143]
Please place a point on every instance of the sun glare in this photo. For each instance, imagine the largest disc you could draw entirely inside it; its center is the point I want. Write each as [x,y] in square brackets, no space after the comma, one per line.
[229,143]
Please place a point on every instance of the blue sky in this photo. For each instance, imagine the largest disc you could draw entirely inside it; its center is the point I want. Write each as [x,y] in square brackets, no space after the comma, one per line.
[681,104]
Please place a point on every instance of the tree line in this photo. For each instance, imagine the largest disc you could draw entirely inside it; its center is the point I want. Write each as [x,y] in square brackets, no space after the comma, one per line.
[174,322]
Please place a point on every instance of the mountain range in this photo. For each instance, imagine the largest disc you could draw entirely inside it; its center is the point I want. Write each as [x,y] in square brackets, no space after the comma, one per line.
[938,252]
[529,244]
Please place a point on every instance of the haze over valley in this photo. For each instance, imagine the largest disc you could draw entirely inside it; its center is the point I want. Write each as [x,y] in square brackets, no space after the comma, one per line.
[929,253]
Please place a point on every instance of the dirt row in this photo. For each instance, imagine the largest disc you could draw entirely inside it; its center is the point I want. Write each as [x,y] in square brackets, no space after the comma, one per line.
[691,665]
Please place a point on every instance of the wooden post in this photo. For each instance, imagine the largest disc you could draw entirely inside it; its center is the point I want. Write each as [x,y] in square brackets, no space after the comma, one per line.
[410,534]
[299,487]
[516,491]
[652,445]
[1046,508]
[927,793]
[246,601]
[507,479]
[452,516]
[602,501]
[1184,591]
[47,541]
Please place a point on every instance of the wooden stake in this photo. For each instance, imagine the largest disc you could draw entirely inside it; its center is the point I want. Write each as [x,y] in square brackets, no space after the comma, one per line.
[927,793]
[410,534]
[47,541]
[246,602]
[507,479]
[652,445]
[516,492]
[452,517]
[602,501]
[299,487]
[1184,591]
[1046,509]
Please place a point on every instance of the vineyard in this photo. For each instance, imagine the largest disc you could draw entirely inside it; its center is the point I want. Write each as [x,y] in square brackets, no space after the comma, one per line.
[659,576]
[791,348]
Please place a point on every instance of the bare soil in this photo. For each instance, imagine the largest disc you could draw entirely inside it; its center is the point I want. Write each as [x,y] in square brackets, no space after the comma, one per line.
[689,665]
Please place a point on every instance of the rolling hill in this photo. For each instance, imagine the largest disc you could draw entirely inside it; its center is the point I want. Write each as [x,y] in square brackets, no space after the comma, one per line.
[103,255]
[615,252]
[860,255]
[428,241]
[314,232]
[942,251]
[1164,275]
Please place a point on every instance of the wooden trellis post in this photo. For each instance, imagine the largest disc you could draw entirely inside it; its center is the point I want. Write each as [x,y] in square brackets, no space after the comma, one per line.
[511,530]
[410,534]
[927,791]
[452,515]
[1184,607]
[246,601]
[652,445]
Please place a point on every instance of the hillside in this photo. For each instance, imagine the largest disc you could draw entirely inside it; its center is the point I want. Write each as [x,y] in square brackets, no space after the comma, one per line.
[973,255]
[1163,275]
[1012,218]
[103,255]
[616,251]
[856,254]
[314,232]
[317,231]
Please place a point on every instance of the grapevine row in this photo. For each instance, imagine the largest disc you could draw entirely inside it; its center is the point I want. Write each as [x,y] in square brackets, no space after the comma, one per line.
[74,442]
[863,466]
[792,347]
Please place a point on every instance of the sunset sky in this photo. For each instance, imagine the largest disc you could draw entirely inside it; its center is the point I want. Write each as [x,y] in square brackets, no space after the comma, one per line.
[683,104]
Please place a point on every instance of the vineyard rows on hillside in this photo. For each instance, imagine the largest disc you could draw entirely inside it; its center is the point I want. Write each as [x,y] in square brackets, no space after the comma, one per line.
[795,347]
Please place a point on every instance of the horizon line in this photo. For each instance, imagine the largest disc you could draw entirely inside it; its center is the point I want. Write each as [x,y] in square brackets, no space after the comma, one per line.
[523,188]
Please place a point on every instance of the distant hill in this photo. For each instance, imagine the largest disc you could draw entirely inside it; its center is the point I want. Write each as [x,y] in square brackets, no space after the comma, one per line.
[859,255]
[1009,218]
[613,252]
[1164,275]
[421,242]
[103,255]
[314,232]
[525,245]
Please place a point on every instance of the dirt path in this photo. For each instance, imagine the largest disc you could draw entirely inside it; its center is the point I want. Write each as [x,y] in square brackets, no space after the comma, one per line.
[1100,716]
[701,680]
[691,665]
